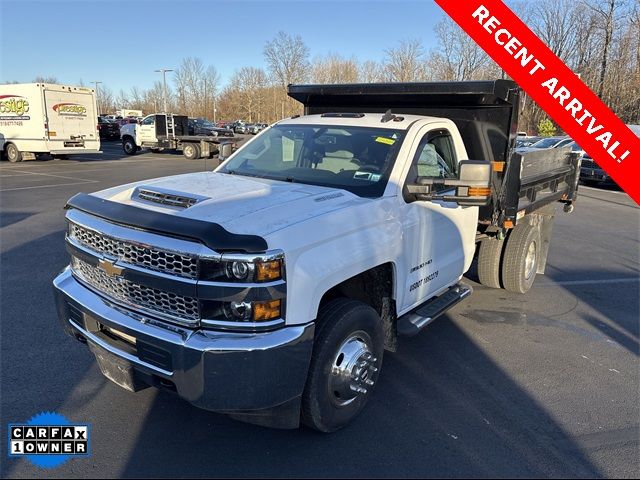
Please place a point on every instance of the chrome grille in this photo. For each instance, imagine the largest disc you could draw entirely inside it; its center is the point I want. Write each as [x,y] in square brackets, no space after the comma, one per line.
[178,307]
[147,257]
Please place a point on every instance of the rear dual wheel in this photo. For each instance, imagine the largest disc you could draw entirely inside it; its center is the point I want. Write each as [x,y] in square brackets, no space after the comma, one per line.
[191,151]
[512,263]
[521,258]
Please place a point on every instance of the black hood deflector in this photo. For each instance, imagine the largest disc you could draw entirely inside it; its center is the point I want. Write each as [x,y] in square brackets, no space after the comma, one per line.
[210,234]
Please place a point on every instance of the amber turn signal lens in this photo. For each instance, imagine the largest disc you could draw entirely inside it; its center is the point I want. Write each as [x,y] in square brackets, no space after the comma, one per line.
[479,191]
[266,271]
[266,310]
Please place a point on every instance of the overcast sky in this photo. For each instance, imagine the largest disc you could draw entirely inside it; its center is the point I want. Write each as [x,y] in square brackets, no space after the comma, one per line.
[121,43]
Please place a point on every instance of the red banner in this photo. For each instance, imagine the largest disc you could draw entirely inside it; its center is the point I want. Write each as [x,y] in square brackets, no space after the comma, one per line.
[559,91]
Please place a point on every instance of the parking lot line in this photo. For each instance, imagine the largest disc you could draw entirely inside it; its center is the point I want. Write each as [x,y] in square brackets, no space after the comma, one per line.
[49,175]
[141,158]
[48,186]
[587,282]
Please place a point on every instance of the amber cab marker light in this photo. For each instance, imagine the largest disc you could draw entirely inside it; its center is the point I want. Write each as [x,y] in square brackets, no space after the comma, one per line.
[263,311]
[268,270]
[479,191]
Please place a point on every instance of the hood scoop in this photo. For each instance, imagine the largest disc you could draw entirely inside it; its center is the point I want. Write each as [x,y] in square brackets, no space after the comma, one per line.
[166,197]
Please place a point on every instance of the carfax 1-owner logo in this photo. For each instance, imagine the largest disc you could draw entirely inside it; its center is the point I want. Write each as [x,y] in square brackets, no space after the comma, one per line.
[49,439]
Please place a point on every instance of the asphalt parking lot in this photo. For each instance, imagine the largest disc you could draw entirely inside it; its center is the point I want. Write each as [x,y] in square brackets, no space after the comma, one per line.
[540,385]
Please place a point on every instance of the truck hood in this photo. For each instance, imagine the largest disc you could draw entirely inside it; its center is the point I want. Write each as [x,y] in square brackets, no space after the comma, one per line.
[243,205]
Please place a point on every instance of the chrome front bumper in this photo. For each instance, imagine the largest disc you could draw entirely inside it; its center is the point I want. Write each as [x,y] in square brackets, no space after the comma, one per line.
[219,371]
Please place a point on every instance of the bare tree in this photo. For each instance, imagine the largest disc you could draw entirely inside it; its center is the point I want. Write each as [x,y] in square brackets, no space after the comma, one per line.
[406,62]
[196,87]
[43,79]
[458,57]
[287,59]
[371,72]
[555,21]
[333,68]
[606,12]
[249,84]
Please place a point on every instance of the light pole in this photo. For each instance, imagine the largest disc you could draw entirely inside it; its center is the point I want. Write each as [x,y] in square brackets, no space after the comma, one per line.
[96,82]
[164,82]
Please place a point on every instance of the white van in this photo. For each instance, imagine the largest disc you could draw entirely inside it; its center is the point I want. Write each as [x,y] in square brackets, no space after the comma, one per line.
[45,118]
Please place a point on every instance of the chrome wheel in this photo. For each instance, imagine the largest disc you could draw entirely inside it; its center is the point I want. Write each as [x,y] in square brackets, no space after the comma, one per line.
[530,260]
[353,369]
[128,146]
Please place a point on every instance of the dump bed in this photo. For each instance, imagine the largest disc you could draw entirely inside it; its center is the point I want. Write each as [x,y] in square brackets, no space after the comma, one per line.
[486,114]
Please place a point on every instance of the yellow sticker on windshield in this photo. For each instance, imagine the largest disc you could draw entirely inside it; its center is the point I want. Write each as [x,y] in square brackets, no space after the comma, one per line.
[385,140]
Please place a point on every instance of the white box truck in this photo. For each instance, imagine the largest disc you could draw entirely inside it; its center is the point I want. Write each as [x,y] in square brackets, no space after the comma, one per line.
[45,118]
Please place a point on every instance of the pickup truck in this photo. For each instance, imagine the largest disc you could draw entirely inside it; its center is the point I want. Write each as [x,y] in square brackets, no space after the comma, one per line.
[161,131]
[270,288]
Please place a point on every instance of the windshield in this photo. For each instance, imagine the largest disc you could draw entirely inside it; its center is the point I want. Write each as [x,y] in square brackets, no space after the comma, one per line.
[357,159]
[546,143]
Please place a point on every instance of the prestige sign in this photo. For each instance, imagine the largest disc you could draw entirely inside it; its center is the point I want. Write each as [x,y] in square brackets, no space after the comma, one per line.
[14,105]
[580,113]
[70,109]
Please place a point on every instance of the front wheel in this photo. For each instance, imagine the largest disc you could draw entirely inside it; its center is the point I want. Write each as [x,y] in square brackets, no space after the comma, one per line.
[13,154]
[345,363]
[129,146]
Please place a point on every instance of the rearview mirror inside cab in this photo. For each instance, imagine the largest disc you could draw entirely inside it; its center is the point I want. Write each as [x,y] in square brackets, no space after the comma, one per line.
[471,187]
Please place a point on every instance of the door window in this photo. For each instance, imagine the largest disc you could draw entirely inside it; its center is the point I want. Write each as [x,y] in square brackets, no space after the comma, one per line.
[435,157]
[149,120]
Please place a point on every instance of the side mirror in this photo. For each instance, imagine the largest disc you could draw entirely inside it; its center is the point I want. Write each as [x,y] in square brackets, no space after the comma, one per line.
[225,151]
[472,187]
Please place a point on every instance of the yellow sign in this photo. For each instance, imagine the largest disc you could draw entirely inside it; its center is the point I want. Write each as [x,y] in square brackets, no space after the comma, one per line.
[13,104]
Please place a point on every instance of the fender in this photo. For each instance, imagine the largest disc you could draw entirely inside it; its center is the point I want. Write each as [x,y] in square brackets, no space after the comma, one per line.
[330,249]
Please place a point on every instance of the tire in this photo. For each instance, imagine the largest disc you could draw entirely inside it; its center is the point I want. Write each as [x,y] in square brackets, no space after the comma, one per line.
[129,146]
[61,156]
[521,257]
[349,332]
[13,154]
[191,151]
[489,260]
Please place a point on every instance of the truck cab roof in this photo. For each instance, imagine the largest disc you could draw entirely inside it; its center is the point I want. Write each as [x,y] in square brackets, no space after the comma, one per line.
[356,119]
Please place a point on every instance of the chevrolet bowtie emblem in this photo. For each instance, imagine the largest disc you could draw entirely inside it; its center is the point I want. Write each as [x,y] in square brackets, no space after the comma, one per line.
[110,268]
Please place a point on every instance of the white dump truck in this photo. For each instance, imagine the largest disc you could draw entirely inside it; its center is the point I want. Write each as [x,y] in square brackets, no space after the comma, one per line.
[40,118]
[270,288]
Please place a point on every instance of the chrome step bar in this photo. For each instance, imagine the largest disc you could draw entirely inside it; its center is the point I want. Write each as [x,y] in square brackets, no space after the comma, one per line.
[411,323]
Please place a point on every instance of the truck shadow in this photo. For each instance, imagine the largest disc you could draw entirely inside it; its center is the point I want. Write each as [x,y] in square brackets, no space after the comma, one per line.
[442,409]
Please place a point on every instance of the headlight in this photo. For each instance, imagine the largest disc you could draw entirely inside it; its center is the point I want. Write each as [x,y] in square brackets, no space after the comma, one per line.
[239,270]
[241,311]
[244,268]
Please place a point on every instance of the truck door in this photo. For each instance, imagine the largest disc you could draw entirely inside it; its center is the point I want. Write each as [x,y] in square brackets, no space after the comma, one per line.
[147,130]
[70,115]
[438,237]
